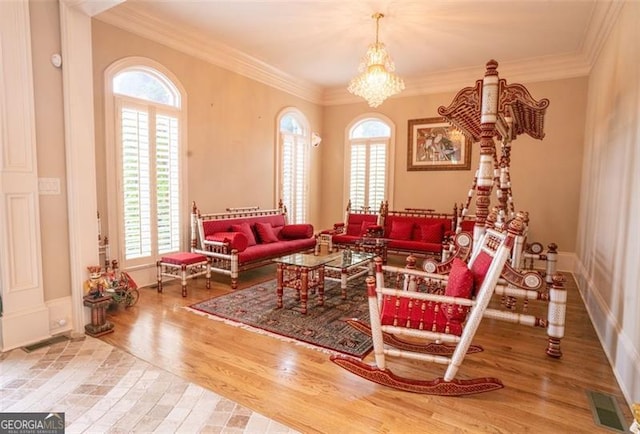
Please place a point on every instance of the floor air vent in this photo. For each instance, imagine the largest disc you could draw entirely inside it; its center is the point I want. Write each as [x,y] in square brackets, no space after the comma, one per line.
[45,343]
[606,412]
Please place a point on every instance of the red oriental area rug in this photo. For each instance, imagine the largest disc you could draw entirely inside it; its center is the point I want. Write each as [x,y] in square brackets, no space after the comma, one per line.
[322,328]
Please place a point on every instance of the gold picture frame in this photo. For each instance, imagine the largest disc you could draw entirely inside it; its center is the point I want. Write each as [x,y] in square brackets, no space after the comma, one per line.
[433,144]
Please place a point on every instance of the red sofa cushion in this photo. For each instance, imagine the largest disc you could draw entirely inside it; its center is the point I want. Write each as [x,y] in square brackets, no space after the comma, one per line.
[460,284]
[401,230]
[297,231]
[246,230]
[467,225]
[266,233]
[355,221]
[224,225]
[364,227]
[431,232]
[479,270]
[345,239]
[236,240]
[414,246]
[272,250]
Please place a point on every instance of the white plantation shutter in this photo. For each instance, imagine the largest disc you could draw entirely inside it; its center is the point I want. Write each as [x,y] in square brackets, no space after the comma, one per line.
[288,174]
[136,189]
[150,179]
[377,175]
[167,183]
[294,157]
[301,159]
[358,181]
[368,177]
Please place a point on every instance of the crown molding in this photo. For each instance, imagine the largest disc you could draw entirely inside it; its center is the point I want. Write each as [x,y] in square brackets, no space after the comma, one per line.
[529,71]
[603,19]
[192,43]
[92,7]
[128,18]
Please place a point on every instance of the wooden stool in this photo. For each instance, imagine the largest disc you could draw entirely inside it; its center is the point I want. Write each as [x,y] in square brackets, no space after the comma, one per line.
[184,265]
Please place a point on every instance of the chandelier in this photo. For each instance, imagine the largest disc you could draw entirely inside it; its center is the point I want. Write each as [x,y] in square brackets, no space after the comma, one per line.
[376,81]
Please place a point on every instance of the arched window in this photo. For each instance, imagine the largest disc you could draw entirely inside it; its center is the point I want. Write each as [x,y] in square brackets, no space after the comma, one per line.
[293,163]
[147,155]
[370,161]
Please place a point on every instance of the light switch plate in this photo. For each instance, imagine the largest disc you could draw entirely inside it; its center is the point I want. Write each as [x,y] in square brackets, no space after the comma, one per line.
[49,185]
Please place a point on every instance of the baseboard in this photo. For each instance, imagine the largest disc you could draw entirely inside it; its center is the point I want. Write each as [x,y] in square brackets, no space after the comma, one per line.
[619,349]
[23,328]
[60,314]
[567,262]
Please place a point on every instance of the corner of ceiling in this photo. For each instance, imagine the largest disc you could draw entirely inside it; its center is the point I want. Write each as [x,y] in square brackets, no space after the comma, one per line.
[602,21]
[189,42]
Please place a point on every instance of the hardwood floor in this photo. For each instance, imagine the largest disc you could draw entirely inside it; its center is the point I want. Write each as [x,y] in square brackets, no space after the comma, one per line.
[304,390]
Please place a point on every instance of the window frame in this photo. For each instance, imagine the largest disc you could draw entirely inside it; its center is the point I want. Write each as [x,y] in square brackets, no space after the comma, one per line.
[390,169]
[306,137]
[112,154]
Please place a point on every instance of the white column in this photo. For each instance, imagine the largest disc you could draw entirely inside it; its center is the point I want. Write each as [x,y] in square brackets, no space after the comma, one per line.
[25,318]
[77,83]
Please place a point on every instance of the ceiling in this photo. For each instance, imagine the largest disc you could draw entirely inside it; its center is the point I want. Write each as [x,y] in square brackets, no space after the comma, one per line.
[313,48]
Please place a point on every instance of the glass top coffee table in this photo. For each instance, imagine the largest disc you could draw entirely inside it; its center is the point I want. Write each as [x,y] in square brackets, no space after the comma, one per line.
[302,272]
[307,272]
[347,266]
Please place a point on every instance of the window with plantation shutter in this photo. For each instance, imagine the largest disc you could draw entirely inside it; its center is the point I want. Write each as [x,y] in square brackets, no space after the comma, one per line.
[370,169]
[293,162]
[148,122]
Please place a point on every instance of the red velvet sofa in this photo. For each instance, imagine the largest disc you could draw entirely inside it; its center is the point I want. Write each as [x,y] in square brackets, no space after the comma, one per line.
[241,240]
[356,224]
[420,232]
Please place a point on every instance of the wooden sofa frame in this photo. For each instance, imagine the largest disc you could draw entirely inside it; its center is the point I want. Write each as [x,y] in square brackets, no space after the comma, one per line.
[224,258]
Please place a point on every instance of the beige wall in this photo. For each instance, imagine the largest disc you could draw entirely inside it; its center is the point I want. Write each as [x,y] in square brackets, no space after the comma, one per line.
[47,81]
[231,125]
[608,247]
[545,174]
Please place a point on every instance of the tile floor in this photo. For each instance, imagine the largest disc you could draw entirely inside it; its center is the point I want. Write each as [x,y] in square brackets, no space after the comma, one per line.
[102,389]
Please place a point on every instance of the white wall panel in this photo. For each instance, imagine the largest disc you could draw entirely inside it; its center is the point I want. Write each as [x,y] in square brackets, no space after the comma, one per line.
[609,233]
[25,317]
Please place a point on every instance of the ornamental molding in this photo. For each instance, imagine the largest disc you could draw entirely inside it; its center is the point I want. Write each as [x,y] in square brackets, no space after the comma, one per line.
[531,70]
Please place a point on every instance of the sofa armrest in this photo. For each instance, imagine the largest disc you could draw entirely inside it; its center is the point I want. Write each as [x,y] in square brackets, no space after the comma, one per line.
[338,228]
[297,231]
[227,240]
[374,231]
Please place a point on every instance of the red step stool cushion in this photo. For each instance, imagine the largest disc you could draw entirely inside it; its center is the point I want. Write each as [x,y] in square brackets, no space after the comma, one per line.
[183,258]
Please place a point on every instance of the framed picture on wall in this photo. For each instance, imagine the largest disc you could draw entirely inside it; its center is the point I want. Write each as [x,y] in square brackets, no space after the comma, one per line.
[433,144]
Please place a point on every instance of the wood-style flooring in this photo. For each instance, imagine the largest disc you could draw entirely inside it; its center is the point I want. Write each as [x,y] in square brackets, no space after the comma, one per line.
[304,390]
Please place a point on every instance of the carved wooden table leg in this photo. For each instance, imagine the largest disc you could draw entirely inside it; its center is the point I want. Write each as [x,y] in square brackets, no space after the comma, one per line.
[344,278]
[304,289]
[320,284]
[279,291]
